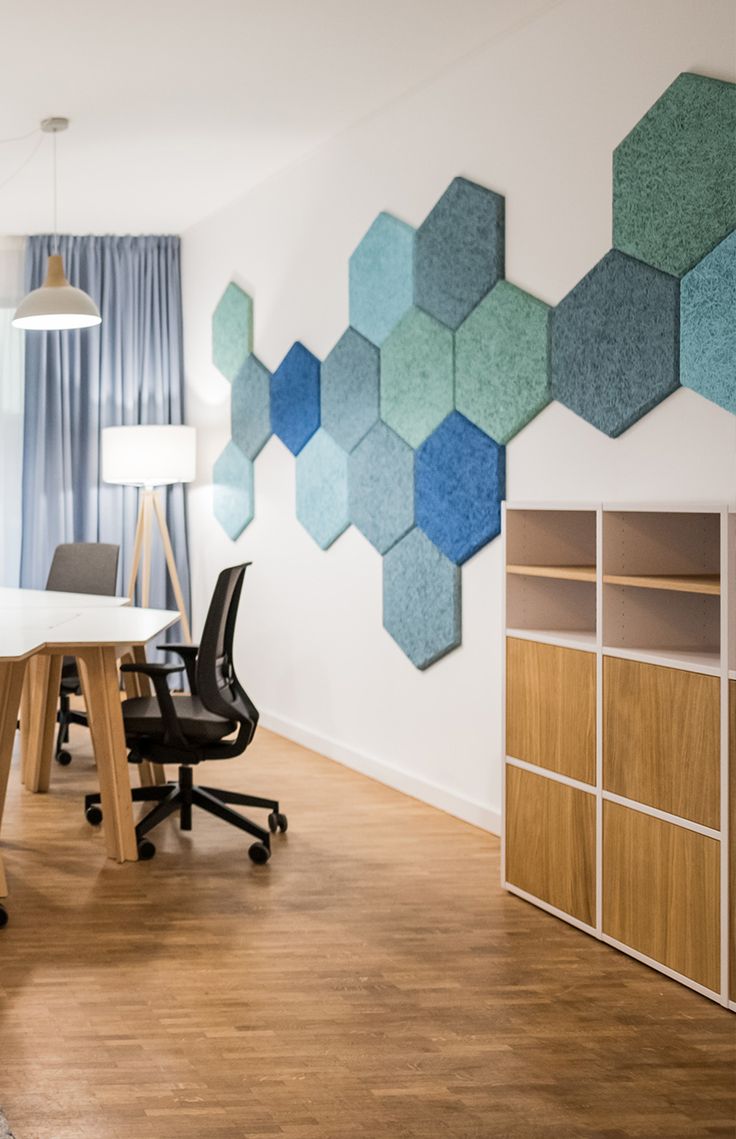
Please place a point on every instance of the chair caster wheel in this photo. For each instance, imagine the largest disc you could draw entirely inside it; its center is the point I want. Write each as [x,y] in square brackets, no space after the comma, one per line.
[259,853]
[93,815]
[4,917]
[277,822]
[146,850]
[63,758]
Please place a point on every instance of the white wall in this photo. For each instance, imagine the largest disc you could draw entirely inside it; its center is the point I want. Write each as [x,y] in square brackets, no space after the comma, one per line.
[535,116]
[11,407]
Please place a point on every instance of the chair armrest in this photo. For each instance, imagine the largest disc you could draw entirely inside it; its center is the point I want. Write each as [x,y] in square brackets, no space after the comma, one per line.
[188,654]
[158,673]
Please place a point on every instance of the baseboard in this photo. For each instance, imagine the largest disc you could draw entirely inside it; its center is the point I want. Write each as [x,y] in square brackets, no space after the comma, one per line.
[426,791]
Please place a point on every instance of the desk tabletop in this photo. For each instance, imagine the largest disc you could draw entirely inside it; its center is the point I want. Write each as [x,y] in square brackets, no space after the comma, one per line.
[33,599]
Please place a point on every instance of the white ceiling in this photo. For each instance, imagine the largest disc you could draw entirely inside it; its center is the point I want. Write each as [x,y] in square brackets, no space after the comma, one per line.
[177,106]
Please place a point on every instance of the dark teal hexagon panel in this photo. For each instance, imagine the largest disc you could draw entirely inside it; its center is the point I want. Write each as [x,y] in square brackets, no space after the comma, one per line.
[417,376]
[674,188]
[382,278]
[250,407]
[459,252]
[350,389]
[381,487]
[322,489]
[232,481]
[615,343]
[708,326]
[232,331]
[421,599]
[295,398]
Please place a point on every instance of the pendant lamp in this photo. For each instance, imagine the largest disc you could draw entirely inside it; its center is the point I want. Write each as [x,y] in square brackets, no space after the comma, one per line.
[57,304]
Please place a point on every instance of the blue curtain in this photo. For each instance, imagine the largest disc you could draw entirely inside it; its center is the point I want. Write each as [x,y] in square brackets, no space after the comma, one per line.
[129,370]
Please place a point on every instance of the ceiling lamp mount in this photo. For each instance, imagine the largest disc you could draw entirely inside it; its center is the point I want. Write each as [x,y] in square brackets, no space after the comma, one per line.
[55,124]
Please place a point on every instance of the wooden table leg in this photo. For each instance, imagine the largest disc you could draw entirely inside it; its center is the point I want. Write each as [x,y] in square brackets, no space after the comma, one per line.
[136,684]
[11,686]
[38,719]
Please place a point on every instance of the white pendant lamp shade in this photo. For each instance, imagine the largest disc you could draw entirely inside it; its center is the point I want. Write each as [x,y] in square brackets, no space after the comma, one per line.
[149,455]
[57,304]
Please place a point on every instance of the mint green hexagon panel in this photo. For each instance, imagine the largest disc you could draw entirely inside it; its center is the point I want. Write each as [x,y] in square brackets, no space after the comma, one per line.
[322,489]
[417,376]
[382,278]
[381,487]
[674,190]
[421,599]
[708,326]
[232,331]
[232,483]
[349,390]
[250,407]
[502,362]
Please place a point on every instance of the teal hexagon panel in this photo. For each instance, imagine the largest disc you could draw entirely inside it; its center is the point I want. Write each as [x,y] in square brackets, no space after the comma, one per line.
[502,362]
[459,252]
[417,376]
[322,489]
[381,487]
[350,389]
[250,407]
[674,189]
[232,331]
[421,599]
[708,326]
[232,482]
[382,278]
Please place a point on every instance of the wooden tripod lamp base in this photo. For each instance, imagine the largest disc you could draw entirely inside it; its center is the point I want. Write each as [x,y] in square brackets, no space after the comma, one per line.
[150,508]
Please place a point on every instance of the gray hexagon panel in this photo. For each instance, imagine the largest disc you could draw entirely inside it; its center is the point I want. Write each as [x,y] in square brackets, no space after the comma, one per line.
[350,389]
[250,407]
[421,599]
[381,487]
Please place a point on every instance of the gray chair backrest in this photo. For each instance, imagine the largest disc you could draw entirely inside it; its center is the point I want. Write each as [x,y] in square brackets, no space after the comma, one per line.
[84,567]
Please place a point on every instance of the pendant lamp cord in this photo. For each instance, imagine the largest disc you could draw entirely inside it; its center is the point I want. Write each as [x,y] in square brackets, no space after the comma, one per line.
[56,218]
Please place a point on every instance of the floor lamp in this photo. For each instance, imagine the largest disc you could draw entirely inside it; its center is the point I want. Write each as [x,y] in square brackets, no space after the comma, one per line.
[149,457]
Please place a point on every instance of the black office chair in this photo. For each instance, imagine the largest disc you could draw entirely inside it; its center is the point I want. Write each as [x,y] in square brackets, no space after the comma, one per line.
[187,730]
[79,567]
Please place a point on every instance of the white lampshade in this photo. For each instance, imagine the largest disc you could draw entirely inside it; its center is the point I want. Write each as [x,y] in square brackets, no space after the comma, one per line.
[57,304]
[149,455]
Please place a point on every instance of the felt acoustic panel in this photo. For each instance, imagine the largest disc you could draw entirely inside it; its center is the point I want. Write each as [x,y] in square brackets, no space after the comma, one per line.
[708,326]
[417,376]
[615,343]
[459,483]
[674,190]
[295,401]
[459,252]
[232,481]
[322,489]
[232,331]
[502,362]
[382,278]
[381,487]
[350,378]
[250,407]
[421,599]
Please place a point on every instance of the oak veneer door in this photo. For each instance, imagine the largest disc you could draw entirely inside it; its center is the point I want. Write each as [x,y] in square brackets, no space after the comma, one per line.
[550,707]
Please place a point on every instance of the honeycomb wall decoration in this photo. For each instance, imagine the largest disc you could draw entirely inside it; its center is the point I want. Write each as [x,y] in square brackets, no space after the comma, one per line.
[401,432]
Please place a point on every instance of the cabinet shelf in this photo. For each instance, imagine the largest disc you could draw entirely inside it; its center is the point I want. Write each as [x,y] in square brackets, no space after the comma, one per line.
[706,583]
[559,573]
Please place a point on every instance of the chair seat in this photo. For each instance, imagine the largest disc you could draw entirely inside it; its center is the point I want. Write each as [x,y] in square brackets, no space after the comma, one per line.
[142,716]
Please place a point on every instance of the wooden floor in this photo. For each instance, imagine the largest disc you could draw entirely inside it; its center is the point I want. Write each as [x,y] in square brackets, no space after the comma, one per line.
[372,981]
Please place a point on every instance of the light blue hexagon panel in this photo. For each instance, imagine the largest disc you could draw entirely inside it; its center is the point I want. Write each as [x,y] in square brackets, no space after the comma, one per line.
[459,252]
[708,326]
[322,489]
[350,389]
[421,599]
[232,482]
[382,278]
[381,487]
[232,331]
[250,407]
[460,479]
[295,399]
[417,376]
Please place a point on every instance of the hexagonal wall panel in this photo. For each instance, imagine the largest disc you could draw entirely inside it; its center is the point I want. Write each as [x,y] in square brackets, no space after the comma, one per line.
[615,343]
[381,487]
[674,191]
[232,331]
[322,489]
[295,398]
[350,379]
[421,599]
[460,476]
[382,278]
[708,326]
[232,484]
[459,251]
[502,362]
[417,376]
[250,407]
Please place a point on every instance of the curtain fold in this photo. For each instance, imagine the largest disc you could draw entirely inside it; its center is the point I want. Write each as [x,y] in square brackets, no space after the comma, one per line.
[128,370]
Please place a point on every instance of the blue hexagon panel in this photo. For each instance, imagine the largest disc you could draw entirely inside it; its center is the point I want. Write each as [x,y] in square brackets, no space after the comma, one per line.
[460,479]
[417,376]
[232,331]
[350,389]
[382,278]
[322,489]
[615,343]
[381,487]
[421,599]
[459,252]
[232,483]
[295,399]
[250,407]
[708,326]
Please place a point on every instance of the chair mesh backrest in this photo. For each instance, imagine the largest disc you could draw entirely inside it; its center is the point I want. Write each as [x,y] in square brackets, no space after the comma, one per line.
[84,567]
[217,685]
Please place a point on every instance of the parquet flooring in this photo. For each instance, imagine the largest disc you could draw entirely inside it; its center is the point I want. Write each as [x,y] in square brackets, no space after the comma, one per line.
[372,981]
